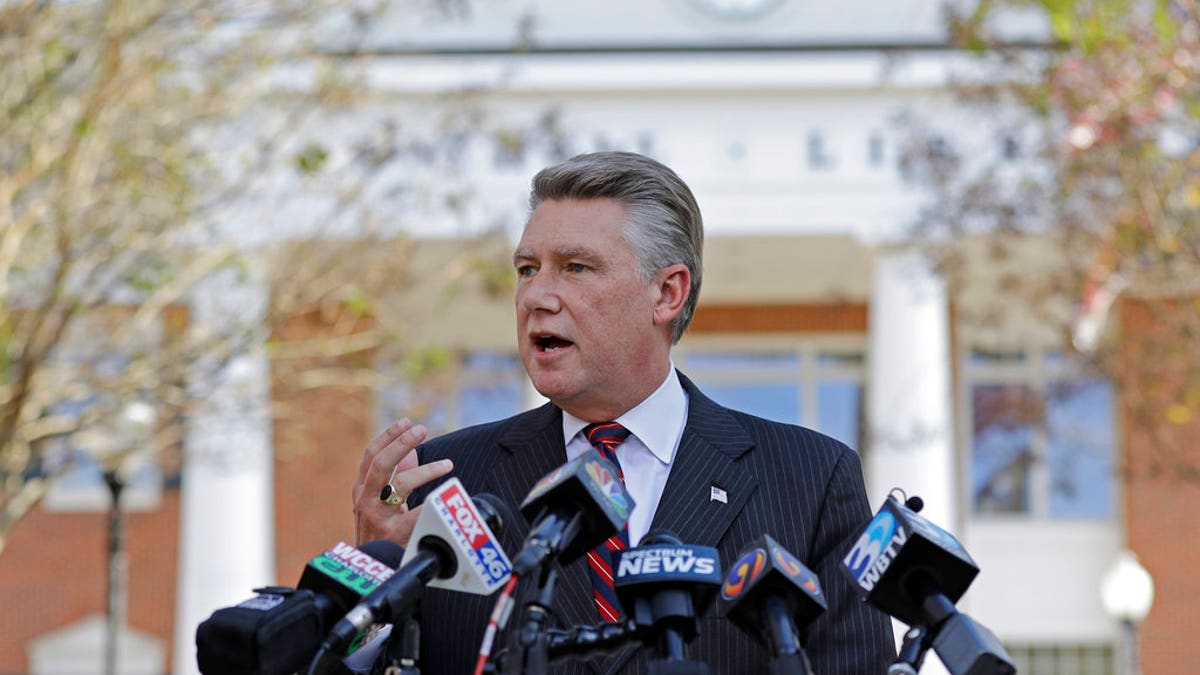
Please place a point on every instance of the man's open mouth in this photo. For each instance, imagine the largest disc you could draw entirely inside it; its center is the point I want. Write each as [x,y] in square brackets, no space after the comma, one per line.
[549,343]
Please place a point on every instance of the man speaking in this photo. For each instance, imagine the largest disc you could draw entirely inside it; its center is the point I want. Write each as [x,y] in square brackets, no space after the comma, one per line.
[608,274]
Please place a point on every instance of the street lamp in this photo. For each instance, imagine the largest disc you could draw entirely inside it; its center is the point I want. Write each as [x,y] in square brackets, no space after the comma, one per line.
[117,443]
[1127,591]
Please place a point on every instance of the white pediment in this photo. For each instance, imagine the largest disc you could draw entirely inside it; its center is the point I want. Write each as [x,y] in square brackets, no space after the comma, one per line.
[78,649]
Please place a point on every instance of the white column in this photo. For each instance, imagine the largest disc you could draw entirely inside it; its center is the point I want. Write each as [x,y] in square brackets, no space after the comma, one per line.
[910,405]
[226,534]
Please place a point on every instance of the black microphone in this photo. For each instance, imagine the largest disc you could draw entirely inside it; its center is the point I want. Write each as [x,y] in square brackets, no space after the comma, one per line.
[572,509]
[916,571]
[457,547]
[768,594]
[277,631]
[664,586]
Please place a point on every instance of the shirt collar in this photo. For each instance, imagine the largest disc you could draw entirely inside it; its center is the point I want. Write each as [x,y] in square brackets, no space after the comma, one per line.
[656,421]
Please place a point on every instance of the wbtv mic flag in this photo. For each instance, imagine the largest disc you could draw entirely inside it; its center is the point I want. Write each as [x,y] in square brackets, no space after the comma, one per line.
[768,594]
[454,545]
[916,571]
[901,558]
[572,509]
[278,630]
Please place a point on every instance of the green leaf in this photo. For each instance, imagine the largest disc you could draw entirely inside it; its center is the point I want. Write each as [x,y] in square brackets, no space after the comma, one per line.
[358,303]
[311,158]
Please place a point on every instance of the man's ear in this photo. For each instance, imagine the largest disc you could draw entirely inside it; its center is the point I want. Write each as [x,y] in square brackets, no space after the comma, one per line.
[673,284]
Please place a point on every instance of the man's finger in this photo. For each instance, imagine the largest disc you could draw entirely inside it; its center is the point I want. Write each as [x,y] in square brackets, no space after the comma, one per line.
[384,464]
[381,441]
[407,481]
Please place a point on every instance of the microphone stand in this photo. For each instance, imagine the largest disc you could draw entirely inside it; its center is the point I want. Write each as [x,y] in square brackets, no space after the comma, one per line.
[408,662]
[787,656]
[532,640]
[584,642]
[908,661]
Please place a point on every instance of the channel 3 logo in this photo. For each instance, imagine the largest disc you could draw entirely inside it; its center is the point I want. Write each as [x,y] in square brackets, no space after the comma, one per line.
[871,544]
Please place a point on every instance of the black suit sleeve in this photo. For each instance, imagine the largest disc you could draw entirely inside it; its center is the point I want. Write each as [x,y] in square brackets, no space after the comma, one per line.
[853,637]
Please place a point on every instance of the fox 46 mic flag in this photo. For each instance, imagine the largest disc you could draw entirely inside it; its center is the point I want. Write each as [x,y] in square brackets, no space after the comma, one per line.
[450,515]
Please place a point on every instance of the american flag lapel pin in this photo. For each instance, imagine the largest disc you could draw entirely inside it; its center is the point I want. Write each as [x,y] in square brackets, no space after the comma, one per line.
[716,494]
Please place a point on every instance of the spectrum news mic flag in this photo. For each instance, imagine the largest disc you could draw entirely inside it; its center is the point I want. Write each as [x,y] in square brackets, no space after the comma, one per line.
[455,545]
[769,595]
[916,571]
[665,586]
[277,631]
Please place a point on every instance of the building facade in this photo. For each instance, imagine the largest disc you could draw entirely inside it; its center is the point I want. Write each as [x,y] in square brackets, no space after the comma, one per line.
[782,116]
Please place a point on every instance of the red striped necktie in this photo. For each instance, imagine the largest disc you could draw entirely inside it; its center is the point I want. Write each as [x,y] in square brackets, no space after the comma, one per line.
[605,437]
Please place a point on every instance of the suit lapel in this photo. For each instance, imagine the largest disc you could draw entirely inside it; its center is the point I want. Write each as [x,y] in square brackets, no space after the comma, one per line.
[530,449]
[711,443]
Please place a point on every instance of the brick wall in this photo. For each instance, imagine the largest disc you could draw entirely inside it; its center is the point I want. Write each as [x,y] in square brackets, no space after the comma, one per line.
[1161,458]
[319,436]
[53,572]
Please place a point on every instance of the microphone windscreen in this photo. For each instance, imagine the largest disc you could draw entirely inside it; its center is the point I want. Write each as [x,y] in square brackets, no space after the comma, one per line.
[387,552]
[767,569]
[495,512]
[345,574]
[901,558]
[587,487]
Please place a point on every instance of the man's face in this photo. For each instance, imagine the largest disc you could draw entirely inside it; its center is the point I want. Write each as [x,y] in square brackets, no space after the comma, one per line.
[594,337]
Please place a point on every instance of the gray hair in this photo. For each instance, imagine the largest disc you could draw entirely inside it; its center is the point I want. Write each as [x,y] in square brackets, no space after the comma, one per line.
[663,227]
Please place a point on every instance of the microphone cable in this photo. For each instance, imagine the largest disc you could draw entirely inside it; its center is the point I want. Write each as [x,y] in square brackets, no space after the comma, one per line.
[497,622]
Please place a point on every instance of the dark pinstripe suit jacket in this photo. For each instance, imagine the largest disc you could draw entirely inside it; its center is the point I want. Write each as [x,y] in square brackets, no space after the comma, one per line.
[803,488]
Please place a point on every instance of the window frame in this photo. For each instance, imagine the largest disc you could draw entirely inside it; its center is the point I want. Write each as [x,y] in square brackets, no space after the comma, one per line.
[1039,368]
[809,373]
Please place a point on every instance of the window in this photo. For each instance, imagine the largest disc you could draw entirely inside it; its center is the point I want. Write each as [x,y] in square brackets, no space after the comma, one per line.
[1041,436]
[875,150]
[1062,659]
[820,388]
[479,387]
[818,155]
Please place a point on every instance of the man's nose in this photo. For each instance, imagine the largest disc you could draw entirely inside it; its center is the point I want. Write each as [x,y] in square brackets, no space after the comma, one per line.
[539,293]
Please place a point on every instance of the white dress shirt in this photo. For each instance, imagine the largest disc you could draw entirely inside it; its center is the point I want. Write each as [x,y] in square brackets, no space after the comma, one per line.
[655,426]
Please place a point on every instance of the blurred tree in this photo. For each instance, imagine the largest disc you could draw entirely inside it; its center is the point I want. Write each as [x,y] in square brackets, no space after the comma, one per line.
[1085,142]
[151,149]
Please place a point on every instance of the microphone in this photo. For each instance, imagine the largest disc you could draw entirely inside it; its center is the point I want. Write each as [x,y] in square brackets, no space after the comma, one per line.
[916,571]
[767,594]
[664,586]
[457,548]
[572,509]
[348,573]
[277,631]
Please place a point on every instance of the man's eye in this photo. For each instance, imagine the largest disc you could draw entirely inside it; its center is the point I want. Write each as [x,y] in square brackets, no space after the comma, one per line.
[525,270]
[577,267]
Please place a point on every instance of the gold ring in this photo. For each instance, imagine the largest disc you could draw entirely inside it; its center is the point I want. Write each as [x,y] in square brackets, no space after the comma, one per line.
[390,495]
